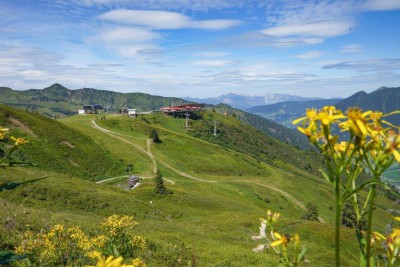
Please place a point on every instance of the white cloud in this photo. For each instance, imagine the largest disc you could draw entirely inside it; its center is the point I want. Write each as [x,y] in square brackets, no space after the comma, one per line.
[131,50]
[128,41]
[164,20]
[377,64]
[195,5]
[293,22]
[127,34]
[211,63]
[381,5]
[312,29]
[214,54]
[258,39]
[352,48]
[309,55]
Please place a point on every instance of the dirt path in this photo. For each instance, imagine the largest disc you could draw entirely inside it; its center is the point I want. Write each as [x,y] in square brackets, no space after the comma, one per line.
[286,194]
[110,179]
[126,176]
[149,154]
[173,169]
[153,158]
[138,147]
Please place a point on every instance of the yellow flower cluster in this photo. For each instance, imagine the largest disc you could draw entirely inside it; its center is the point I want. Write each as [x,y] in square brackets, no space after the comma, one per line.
[139,242]
[117,223]
[391,243]
[70,246]
[58,245]
[3,132]
[366,130]
[116,262]
[372,145]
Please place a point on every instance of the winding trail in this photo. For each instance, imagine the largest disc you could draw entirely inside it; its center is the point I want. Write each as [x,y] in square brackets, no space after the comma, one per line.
[284,193]
[126,176]
[148,152]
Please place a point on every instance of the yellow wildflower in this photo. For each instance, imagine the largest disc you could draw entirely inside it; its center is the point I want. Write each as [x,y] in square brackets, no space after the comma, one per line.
[356,122]
[94,254]
[311,115]
[139,242]
[110,262]
[282,240]
[18,141]
[329,114]
[393,241]
[138,263]
[297,240]
[99,240]
[376,237]
[393,143]
[272,217]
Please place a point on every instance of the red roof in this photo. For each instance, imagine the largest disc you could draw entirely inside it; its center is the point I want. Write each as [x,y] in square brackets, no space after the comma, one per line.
[187,107]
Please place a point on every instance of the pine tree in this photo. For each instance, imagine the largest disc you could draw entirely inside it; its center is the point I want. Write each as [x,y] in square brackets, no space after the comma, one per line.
[160,187]
[154,136]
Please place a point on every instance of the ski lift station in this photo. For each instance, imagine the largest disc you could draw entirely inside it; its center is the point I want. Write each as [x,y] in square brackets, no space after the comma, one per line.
[194,110]
[91,109]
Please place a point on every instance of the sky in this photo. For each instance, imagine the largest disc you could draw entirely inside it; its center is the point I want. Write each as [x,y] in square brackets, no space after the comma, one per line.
[202,48]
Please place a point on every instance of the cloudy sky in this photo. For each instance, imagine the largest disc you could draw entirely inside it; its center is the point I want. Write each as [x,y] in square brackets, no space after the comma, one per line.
[202,48]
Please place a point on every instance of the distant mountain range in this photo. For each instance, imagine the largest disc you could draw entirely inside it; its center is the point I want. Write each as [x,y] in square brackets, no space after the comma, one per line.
[384,99]
[245,102]
[57,99]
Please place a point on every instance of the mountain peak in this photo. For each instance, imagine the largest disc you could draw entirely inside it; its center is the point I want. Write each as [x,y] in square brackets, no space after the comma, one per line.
[56,86]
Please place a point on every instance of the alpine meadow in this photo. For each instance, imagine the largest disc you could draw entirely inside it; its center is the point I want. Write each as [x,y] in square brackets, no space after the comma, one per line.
[199,133]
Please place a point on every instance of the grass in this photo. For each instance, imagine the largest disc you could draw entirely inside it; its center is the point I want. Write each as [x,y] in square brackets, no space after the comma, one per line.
[214,219]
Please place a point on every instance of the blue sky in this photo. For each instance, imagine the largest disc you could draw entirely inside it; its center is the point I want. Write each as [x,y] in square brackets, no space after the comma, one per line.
[202,48]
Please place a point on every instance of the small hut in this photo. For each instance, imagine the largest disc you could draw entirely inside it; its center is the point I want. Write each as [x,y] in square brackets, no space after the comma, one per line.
[133,180]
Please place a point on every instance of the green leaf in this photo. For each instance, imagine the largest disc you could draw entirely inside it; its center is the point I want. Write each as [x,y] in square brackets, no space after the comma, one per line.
[8,257]
[326,176]
[300,256]
[361,187]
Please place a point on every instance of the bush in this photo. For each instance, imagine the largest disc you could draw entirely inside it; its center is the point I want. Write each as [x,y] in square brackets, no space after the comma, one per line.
[312,213]
[154,136]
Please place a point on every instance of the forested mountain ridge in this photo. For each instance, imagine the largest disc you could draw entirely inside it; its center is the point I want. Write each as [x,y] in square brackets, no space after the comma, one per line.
[384,99]
[57,99]
[285,112]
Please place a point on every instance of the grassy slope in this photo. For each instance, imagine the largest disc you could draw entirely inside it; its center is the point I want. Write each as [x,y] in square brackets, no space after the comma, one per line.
[53,146]
[285,112]
[216,219]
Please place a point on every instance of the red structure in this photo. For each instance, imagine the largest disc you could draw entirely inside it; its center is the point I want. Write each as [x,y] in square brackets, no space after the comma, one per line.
[180,111]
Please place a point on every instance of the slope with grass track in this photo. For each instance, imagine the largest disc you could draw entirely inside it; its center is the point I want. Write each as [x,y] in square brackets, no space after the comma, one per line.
[219,194]
[56,147]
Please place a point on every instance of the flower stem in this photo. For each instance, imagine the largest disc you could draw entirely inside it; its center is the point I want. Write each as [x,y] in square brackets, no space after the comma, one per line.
[369,225]
[337,223]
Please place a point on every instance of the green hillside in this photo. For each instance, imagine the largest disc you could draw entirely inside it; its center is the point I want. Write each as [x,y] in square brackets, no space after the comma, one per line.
[268,127]
[285,112]
[59,100]
[220,190]
[56,147]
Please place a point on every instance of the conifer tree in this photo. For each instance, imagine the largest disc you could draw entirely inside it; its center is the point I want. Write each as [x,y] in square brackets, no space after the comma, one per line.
[160,187]
[154,136]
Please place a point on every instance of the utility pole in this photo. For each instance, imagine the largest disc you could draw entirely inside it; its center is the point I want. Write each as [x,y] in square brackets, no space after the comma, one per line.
[215,127]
